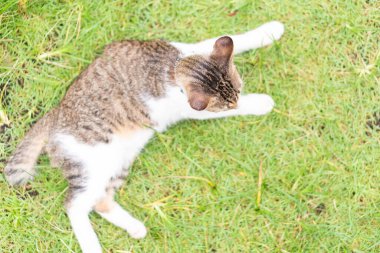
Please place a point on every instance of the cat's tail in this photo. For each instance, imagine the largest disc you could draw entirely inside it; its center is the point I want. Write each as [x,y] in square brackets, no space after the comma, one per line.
[20,167]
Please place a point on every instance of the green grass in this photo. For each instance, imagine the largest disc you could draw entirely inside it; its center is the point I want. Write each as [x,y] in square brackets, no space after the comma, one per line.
[196,185]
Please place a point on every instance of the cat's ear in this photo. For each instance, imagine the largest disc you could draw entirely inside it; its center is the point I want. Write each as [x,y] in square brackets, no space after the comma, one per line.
[222,52]
[198,101]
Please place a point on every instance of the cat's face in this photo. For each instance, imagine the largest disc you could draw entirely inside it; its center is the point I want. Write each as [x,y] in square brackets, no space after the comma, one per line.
[211,82]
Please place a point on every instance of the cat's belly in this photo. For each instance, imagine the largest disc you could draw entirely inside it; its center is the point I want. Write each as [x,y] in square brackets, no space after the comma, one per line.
[102,161]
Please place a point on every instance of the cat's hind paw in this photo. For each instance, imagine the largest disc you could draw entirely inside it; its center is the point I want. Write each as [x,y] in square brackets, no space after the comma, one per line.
[137,230]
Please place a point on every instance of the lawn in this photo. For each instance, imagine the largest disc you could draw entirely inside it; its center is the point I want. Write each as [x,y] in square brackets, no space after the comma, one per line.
[196,186]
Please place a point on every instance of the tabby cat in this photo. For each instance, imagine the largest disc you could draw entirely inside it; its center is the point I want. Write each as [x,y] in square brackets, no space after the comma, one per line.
[115,106]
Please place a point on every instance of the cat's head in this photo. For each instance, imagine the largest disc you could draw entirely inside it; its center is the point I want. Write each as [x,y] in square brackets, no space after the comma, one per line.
[211,82]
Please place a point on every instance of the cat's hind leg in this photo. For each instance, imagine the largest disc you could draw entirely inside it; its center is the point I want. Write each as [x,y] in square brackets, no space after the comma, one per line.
[110,210]
[88,173]
[79,204]
[78,210]
[262,36]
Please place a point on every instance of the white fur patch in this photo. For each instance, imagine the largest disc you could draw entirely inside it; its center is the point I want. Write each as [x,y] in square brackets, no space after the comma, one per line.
[169,109]
[121,218]
[105,160]
[255,104]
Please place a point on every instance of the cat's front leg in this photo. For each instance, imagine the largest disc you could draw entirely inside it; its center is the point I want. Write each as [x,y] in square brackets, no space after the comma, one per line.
[251,104]
[262,36]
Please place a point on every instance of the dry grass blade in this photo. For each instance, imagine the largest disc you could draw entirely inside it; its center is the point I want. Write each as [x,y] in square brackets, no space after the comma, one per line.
[259,184]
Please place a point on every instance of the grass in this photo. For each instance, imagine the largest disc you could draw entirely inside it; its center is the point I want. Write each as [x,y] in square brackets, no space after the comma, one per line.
[196,186]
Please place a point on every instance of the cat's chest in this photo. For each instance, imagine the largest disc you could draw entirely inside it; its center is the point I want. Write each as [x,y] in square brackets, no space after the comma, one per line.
[168,109]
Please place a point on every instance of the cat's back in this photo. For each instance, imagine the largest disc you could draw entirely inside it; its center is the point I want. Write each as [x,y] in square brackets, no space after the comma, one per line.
[110,92]
[141,49]
[129,63]
[139,57]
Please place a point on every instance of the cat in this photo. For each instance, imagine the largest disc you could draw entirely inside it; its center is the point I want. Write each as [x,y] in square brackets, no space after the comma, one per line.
[114,107]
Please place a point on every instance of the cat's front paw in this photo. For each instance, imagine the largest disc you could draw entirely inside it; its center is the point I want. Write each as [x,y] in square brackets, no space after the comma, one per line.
[274,29]
[255,104]
[137,230]
[267,33]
